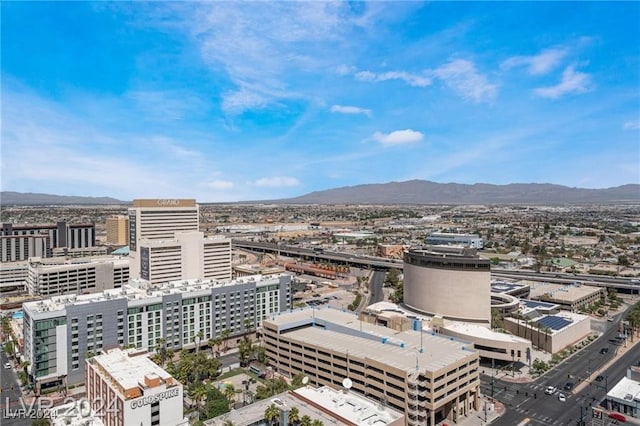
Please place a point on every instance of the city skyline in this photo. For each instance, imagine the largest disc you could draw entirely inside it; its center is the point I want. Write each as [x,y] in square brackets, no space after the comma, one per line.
[232,101]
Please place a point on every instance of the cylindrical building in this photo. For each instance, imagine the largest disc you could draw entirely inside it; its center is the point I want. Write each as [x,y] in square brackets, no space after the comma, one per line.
[454,283]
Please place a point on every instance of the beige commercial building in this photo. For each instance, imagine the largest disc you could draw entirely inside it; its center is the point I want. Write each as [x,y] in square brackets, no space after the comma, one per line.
[189,255]
[117,230]
[428,377]
[159,219]
[453,283]
[46,277]
[551,333]
[127,388]
[571,297]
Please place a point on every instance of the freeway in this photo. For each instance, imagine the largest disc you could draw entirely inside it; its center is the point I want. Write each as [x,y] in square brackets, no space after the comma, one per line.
[622,284]
[317,253]
[529,401]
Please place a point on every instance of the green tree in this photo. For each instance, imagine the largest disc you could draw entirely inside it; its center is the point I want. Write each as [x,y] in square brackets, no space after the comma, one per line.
[230,393]
[245,351]
[225,336]
[261,355]
[198,394]
[317,422]
[271,414]
[161,349]
[296,381]
[305,421]
[198,339]
[248,325]
[217,403]
[294,415]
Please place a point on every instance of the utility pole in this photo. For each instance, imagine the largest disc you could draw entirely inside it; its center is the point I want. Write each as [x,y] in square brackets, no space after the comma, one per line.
[492,375]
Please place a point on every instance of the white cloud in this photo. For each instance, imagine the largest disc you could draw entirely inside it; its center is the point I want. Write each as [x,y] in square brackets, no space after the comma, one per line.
[538,64]
[572,82]
[462,77]
[347,109]
[414,80]
[259,44]
[344,69]
[398,137]
[277,182]
[220,184]
[631,125]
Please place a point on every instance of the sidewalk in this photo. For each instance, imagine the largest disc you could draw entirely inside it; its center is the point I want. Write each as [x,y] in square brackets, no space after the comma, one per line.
[490,410]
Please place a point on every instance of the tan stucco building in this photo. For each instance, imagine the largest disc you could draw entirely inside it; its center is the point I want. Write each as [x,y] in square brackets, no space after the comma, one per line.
[450,282]
[428,377]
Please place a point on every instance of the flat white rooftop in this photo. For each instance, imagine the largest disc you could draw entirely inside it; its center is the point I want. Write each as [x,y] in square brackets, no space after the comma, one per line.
[140,289]
[474,330]
[627,390]
[400,349]
[330,406]
[129,371]
[350,406]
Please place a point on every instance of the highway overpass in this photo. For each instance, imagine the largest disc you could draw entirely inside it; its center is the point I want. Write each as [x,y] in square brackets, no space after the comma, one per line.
[621,284]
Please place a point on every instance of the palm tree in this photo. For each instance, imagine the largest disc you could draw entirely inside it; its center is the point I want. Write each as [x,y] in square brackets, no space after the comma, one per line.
[294,415]
[197,339]
[317,422]
[305,421]
[198,394]
[161,349]
[230,393]
[271,414]
[225,335]
[217,342]
[247,325]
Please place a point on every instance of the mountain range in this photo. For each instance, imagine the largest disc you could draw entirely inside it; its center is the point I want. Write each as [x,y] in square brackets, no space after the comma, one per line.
[409,192]
[426,192]
[9,198]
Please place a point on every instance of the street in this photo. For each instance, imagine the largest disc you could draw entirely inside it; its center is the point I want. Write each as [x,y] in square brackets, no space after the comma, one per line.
[10,394]
[529,401]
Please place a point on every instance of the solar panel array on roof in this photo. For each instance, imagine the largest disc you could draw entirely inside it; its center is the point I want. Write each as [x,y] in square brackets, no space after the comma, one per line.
[554,323]
[534,304]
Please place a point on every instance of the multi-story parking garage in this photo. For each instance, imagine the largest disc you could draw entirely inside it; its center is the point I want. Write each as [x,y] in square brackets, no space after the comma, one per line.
[429,377]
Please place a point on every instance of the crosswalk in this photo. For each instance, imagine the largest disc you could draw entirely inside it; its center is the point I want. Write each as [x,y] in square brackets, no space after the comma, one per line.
[516,399]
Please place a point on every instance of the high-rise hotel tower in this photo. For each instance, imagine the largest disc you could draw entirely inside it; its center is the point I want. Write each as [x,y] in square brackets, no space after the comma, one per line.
[165,243]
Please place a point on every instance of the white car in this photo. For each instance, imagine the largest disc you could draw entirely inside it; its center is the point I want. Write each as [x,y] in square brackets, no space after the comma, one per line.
[562,398]
[7,365]
[550,390]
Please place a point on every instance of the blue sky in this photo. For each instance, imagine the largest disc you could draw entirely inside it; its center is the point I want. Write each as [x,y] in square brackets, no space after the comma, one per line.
[229,101]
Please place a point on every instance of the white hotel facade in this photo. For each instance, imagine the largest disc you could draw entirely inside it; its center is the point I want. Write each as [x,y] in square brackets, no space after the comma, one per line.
[165,243]
[60,331]
[127,388]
